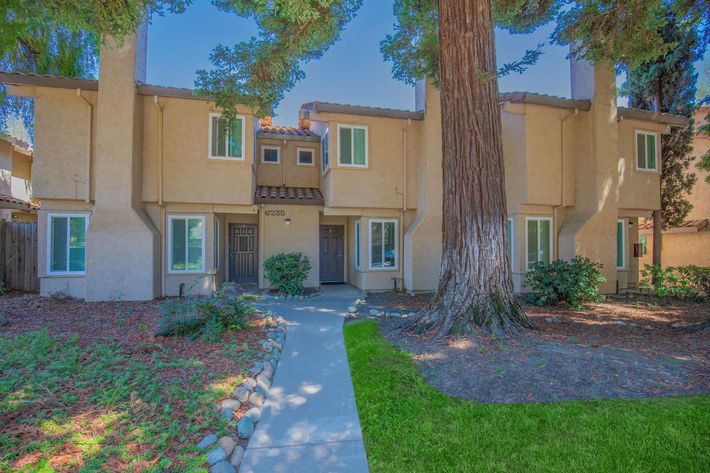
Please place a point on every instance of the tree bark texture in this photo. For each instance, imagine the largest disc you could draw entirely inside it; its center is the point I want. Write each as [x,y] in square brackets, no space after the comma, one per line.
[475,290]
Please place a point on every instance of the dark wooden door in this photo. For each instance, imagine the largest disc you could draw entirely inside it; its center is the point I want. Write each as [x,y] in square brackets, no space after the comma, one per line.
[243,260]
[332,253]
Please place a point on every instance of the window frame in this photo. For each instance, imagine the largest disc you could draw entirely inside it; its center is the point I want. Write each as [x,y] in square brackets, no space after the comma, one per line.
[552,246]
[50,235]
[396,245]
[623,243]
[636,151]
[298,156]
[169,258]
[271,147]
[325,152]
[511,241]
[358,245]
[341,126]
[209,139]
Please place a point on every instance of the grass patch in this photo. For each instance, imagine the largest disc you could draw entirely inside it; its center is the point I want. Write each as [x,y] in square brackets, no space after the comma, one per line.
[65,406]
[408,426]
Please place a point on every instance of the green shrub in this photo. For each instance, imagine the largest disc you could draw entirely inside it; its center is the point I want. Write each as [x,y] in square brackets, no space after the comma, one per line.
[207,316]
[287,271]
[684,282]
[574,282]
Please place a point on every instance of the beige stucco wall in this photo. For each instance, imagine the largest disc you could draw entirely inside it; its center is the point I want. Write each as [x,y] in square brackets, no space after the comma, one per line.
[302,235]
[637,189]
[189,174]
[288,172]
[381,184]
[680,249]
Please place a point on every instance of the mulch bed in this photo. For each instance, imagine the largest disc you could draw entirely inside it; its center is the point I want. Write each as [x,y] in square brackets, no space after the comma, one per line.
[130,325]
[625,347]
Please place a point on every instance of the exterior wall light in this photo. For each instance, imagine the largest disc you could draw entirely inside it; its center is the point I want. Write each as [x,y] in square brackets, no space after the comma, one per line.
[287,221]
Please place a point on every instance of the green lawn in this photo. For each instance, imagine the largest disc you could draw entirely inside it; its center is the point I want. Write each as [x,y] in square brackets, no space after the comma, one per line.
[99,407]
[408,426]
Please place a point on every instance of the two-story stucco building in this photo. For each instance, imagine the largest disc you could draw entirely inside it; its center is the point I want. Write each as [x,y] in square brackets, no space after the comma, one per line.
[147,191]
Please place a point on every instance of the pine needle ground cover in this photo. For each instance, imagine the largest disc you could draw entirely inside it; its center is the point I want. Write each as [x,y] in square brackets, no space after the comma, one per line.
[86,387]
[408,426]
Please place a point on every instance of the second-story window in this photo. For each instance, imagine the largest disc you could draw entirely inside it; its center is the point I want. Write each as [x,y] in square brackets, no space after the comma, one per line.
[325,152]
[226,139]
[270,154]
[646,149]
[304,157]
[352,146]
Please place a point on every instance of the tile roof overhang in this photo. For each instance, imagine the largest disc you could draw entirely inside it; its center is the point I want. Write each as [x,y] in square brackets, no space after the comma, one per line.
[288,195]
[287,133]
[10,202]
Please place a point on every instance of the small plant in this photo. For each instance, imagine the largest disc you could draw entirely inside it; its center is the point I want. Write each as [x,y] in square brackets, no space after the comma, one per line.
[287,271]
[574,282]
[683,282]
[3,289]
[193,316]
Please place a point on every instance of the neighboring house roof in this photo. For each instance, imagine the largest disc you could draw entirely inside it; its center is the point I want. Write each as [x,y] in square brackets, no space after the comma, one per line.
[667,118]
[287,132]
[325,107]
[687,226]
[288,195]
[17,145]
[10,202]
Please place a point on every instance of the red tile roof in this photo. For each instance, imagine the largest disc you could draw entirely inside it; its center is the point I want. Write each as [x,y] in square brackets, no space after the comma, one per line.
[287,130]
[290,195]
[699,225]
[8,199]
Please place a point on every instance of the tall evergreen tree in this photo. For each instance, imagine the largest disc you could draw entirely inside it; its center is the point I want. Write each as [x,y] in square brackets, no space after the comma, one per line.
[452,42]
[668,84]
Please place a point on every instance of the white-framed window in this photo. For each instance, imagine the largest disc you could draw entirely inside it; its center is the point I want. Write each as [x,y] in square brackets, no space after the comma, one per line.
[304,157]
[325,152]
[509,236]
[352,145]
[621,244]
[217,237]
[226,140]
[186,243]
[538,243]
[358,250]
[66,243]
[646,150]
[383,244]
[270,154]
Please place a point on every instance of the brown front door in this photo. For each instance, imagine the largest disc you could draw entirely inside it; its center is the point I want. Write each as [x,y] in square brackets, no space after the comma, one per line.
[243,261]
[332,253]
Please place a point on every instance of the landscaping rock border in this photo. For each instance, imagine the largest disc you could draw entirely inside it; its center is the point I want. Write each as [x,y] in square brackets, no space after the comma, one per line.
[224,455]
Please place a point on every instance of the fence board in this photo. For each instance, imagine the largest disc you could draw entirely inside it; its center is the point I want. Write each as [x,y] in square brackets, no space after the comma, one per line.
[18,255]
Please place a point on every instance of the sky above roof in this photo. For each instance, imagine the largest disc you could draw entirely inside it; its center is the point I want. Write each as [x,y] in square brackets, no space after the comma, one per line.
[352,71]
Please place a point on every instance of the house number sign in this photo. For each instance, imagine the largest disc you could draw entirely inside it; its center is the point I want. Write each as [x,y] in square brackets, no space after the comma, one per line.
[275,212]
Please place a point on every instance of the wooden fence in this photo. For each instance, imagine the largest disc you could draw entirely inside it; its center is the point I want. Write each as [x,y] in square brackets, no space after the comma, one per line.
[18,255]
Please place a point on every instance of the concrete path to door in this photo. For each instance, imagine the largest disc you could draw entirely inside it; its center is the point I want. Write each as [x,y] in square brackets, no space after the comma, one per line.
[309,422]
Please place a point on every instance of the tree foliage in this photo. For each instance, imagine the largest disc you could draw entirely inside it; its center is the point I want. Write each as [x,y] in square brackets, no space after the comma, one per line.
[259,71]
[61,38]
[669,84]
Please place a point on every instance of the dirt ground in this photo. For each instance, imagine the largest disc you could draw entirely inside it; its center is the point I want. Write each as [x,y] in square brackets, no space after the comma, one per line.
[130,325]
[625,347]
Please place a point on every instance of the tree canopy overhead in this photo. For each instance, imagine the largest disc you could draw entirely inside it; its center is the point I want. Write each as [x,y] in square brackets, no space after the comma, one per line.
[259,71]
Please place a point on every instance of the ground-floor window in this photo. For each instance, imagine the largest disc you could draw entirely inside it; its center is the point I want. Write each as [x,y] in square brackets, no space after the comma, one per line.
[67,243]
[358,256]
[186,238]
[539,240]
[644,245]
[620,245]
[383,244]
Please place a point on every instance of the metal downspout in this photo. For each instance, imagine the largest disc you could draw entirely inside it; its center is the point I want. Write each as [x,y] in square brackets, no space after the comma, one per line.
[89,154]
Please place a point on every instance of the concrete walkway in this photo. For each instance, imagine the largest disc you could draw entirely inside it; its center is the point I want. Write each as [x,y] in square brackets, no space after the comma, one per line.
[310,421]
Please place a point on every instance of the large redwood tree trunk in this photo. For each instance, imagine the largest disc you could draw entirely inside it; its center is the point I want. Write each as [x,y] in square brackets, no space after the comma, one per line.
[475,286]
